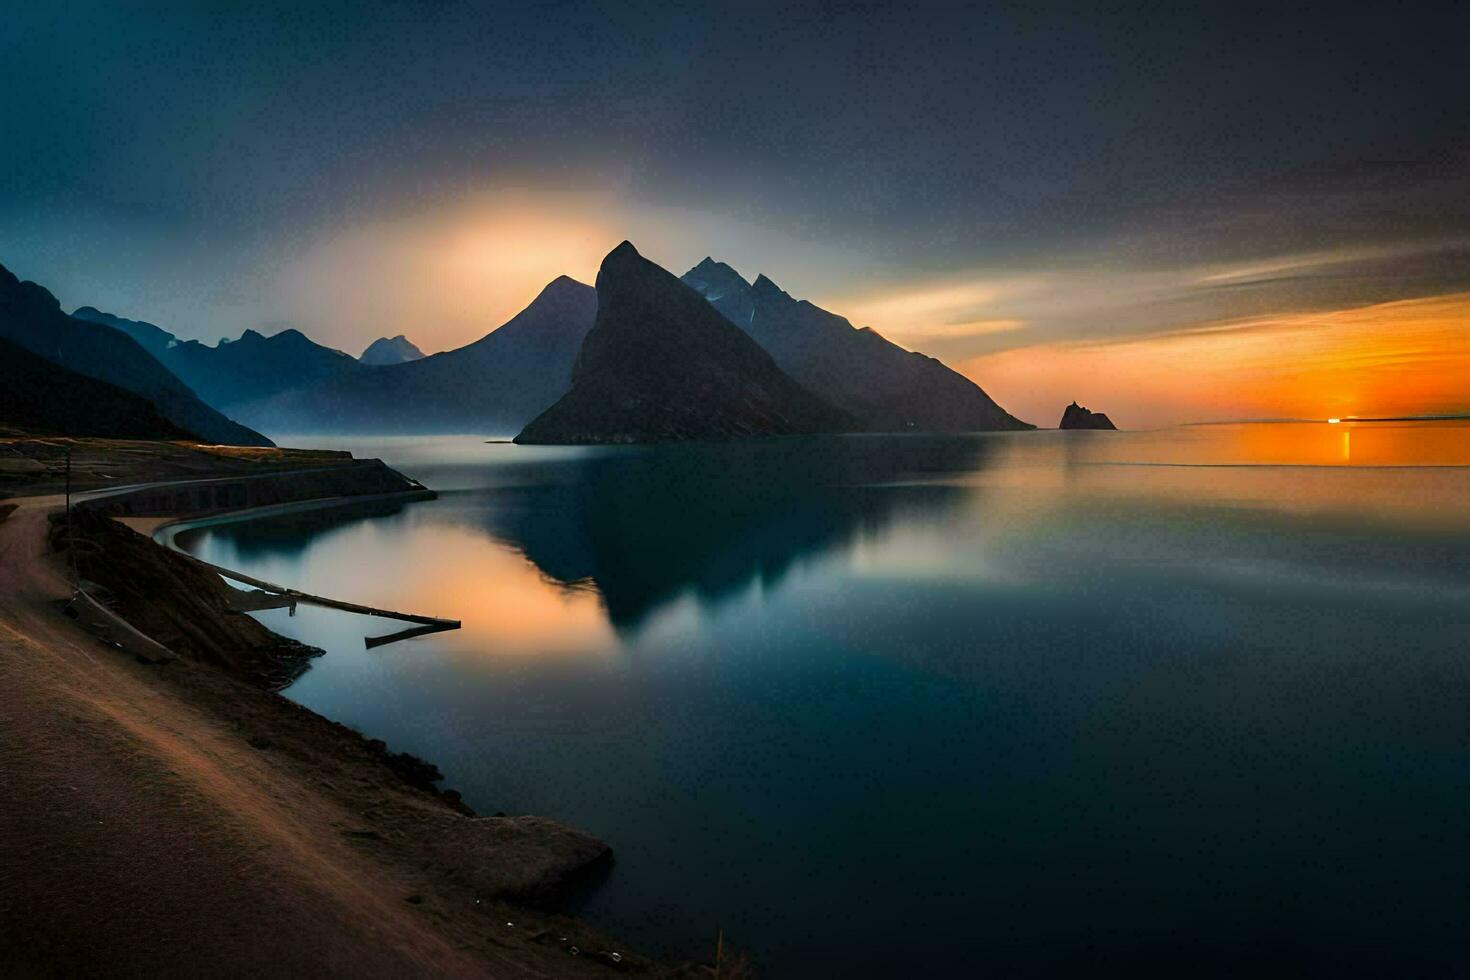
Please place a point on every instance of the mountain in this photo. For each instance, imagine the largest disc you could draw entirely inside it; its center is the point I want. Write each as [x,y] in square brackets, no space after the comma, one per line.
[492,386]
[661,364]
[46,398]
[30,317]
[231,374]
[390,350]
[1077,417]
[884,386]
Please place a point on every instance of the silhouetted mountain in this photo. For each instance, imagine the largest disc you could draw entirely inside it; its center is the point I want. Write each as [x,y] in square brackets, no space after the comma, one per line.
[230,374]
[43,397]
[493,386]
[883,386]
[390,350]
[31,318]
[1077,417]
[661,364]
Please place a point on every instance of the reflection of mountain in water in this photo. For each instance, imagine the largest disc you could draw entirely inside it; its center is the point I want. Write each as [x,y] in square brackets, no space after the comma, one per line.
[289,535]
[645,526]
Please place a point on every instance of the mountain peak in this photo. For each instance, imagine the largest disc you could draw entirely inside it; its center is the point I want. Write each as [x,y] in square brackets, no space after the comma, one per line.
[661,364]
[564,284]
[391,350]
[716,281]
[710,266]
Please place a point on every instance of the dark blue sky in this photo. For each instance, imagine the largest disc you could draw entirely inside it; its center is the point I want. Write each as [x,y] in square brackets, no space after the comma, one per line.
[187,162]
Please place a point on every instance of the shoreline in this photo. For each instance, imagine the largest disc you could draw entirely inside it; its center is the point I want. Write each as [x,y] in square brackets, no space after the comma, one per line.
[164,531]
[474,896]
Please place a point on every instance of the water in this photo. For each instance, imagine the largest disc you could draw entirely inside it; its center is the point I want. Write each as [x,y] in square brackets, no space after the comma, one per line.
[1192,700]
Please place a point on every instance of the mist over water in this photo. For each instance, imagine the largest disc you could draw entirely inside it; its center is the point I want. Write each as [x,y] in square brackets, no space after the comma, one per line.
[1185,700]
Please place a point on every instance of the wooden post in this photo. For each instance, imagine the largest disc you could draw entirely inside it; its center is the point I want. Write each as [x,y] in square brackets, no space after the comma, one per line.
[71,550]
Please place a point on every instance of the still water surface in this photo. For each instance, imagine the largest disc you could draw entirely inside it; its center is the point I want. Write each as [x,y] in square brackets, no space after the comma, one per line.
[1195,699]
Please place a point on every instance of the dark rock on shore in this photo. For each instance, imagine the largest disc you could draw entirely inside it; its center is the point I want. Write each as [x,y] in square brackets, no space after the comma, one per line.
[660,365]
[1077,417]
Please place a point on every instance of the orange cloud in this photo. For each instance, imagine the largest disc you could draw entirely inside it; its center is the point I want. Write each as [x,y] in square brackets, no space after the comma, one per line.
[1410,357]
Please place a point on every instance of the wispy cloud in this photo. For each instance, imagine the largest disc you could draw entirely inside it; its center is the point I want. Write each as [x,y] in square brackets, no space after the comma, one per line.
[1407,357]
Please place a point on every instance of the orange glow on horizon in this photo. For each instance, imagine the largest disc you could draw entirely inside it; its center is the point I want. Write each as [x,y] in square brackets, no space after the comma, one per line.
[1410,357]
[447,278]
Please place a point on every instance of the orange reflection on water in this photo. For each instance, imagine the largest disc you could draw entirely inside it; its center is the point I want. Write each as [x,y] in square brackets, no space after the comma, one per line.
[1347,444]
[1414,473]
[505,604]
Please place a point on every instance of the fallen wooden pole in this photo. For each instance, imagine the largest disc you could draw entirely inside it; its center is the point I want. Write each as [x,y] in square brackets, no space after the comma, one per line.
[317,600]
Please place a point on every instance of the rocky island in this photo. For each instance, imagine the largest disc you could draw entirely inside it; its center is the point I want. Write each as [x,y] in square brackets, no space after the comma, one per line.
[1077,417]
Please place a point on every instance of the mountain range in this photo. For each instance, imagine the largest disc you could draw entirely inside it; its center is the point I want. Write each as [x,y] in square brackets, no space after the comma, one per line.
[499,383]
[235,372]
[661,364]
[494,385]
[885,387]
[646,356]
[30,317]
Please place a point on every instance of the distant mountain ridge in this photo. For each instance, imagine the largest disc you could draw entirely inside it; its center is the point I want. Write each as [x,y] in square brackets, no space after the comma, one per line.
[390,350]
[492,386]
[885,387]
[31,318]
[661,364]
[229,375]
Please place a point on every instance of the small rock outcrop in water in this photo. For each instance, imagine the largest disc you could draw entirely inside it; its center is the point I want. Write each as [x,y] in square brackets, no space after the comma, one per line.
[1077,417]
[391,350]
[660,364]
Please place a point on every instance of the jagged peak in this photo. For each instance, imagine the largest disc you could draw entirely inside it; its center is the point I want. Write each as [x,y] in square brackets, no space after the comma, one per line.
[764,284]
[713,272]
[559,284]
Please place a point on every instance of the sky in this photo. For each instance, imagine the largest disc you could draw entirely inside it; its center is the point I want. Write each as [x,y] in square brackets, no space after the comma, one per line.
[1167,212]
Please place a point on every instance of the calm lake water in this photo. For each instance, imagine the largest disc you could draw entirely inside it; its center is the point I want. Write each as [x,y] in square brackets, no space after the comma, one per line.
[1193,700]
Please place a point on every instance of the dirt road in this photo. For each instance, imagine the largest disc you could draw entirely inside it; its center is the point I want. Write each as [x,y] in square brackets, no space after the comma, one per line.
[140,835]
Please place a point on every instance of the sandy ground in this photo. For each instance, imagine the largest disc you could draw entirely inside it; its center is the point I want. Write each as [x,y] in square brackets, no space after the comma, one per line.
[140,834]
